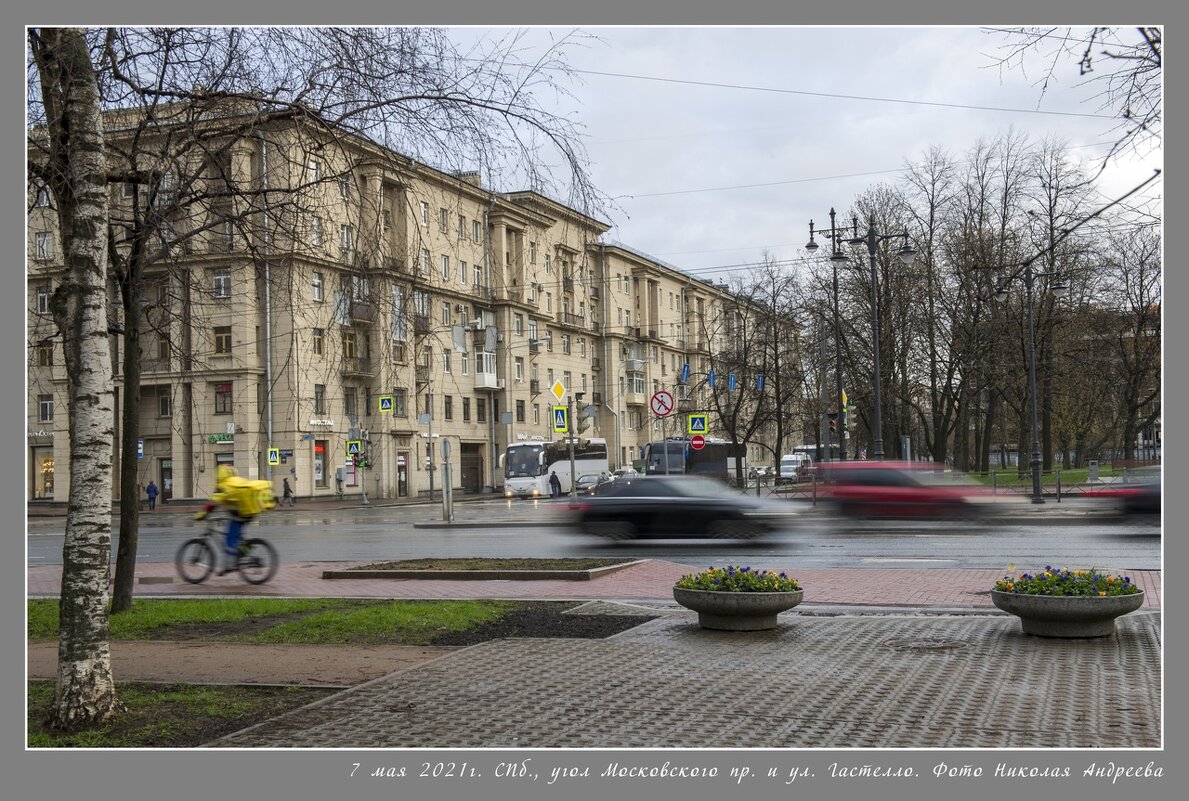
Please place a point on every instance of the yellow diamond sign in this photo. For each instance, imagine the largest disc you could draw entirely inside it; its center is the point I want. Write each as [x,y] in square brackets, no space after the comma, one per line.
[559,390]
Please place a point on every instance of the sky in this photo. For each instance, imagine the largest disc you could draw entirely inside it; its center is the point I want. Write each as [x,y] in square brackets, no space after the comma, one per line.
[720,144]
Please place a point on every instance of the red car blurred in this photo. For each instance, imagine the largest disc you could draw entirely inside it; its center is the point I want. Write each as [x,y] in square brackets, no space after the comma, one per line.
[897,489]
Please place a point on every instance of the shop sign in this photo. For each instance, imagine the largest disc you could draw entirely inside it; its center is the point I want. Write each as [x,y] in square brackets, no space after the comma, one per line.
[321,421]
[33,434]
[216,439]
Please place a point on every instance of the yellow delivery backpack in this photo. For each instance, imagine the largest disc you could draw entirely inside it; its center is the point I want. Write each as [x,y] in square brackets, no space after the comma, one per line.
[248,498]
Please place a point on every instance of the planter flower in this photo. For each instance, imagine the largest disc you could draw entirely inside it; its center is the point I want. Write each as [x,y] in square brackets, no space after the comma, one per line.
[737,599]
[1067,603]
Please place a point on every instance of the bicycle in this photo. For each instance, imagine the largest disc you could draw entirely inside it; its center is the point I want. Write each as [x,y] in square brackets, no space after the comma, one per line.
[198,557]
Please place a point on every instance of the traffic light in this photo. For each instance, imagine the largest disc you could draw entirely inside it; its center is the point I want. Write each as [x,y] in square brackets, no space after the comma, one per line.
[833,424]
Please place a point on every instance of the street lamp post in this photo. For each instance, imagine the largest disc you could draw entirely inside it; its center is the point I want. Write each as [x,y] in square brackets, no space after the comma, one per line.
[835,257]
[907,255]
[1059,289]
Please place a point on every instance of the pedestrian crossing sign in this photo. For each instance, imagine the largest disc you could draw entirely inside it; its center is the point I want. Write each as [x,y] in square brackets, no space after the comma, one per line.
[354,447]
[385,404]
[561,419]
[697,424]
[274,455]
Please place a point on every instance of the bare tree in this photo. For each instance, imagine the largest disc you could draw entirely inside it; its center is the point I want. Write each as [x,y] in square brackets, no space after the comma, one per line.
[1121,67]
[74,171]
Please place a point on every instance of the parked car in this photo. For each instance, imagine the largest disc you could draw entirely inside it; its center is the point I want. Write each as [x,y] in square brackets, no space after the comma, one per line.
[625,472]
[589,483]
[898,489]
[678,506]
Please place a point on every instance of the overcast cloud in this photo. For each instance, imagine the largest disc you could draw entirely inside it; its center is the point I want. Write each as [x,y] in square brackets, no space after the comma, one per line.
[712,176]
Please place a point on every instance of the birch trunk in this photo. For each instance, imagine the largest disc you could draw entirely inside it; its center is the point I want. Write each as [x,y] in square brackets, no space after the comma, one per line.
[85,691]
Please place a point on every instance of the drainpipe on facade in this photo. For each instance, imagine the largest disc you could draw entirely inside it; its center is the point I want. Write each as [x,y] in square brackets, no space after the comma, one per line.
[267,307]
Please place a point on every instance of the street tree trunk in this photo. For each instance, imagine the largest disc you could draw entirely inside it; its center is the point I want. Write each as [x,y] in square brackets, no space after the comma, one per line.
[85,692]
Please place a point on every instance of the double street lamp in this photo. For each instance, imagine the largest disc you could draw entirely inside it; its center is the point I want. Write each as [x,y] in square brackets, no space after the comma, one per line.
[1059,289]
[907,254]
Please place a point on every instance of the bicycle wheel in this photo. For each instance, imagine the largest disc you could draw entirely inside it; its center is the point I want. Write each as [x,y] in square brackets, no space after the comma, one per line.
[257,561]
[195,560]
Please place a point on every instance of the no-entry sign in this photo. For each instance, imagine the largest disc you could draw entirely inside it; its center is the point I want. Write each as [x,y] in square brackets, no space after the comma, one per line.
[697,442]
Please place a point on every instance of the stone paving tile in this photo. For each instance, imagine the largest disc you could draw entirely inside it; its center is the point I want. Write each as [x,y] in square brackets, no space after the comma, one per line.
[969,681]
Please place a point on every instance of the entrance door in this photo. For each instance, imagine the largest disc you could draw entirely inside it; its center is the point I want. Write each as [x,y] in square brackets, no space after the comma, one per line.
[402,474]
[166,479]
[471,467]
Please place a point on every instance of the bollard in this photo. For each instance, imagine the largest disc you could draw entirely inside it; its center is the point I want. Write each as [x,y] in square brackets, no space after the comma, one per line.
[1058,474]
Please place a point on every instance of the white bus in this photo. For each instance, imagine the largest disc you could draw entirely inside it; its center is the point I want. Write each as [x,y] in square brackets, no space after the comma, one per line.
[528,465]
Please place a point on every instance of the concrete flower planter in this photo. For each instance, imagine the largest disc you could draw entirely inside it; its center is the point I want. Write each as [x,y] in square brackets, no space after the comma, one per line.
[1067,616]
[737,611]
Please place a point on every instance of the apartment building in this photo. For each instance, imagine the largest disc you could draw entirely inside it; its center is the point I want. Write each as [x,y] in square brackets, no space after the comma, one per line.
[320,308]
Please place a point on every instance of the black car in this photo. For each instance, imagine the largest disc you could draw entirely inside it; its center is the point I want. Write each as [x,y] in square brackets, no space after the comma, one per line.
[678,507]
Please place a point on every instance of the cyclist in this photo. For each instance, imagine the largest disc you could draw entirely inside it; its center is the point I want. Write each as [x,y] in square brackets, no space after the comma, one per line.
[244,500]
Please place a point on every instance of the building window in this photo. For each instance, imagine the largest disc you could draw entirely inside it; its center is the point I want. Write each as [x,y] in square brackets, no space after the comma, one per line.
[466,410]
[448,407]
[519,411]
[45,354]
[345,186]
[478,275]
[222,340]
[518,371]
[532,330]
[481,411]
[317,287]
[445,314]
[548,301]
[446,359]
[445,267]
[43,196]
[347,239]
[43,243]
[582,346]
[349,345]
[350,402]
[443,220]
[532,252]
[315,170]
[462,227]
[221,283]
[462,272]
[536,414]
[319,399]
[518,324]
[163,402]
[565,343]
[43,298]
[465,358]
[400,402]
[223,398]
[424,261]
[548,265]
[476,232]
[45,408]
[316,231]
[424,213]
[318,342]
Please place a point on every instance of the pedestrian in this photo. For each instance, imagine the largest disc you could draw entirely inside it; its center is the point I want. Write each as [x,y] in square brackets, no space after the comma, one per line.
[151,492]
[554,485]
[286,493]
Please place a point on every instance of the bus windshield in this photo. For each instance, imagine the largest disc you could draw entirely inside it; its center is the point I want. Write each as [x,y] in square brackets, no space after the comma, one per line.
[523,461]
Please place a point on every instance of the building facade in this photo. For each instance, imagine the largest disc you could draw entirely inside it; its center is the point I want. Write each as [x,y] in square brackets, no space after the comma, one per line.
[318,308]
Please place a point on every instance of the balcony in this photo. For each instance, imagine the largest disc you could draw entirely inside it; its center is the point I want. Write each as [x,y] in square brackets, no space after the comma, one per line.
[567,285]
[363,312]
[421,372]
[596,364]
[594,288]
[635,398]
[702,347]
[681,343]
[483,292]
[635,365]
[358,366]
[421,324]
[596,398]
[393,264]
[488,381]
[577,320]
[534,386]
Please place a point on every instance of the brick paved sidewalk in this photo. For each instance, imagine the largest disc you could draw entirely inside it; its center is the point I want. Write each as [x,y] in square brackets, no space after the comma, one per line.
[648,580]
